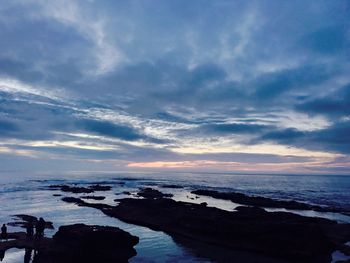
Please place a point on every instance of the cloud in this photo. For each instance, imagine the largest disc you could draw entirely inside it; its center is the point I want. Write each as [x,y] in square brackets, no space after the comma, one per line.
[147,82]
[110,129]
[289,135]
[274,84]
[236,128]
[326,40]
[334,138]
[7,127]
[335,103]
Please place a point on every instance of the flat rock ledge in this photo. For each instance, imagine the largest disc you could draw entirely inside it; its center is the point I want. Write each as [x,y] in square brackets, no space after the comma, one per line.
[80,189]
[266,202]
[150,193]
[253,234]
[77,243]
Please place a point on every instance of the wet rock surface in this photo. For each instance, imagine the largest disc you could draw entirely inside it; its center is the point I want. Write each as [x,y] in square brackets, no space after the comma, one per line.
[260,201]
[24,220]
[76,243]
[82,243]
[80,189]
[263,236]
[151,193]
[98,187]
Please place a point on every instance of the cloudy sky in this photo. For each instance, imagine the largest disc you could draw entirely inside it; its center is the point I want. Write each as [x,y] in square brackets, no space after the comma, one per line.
[232,86]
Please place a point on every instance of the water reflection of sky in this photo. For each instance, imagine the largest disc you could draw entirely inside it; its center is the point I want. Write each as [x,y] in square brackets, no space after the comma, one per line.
[154,246]
[33,198]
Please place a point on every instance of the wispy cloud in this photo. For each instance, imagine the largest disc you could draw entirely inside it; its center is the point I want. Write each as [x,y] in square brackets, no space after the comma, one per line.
[176,84]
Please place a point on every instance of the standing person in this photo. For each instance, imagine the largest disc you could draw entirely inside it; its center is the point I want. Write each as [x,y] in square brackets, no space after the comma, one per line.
[40,227]
[4,232]
[30,230]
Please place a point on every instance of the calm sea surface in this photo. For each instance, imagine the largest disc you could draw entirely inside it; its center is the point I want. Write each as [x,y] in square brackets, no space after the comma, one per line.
[28,194]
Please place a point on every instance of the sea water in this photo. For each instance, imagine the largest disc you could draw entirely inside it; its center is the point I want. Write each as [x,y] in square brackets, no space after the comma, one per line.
[29,194]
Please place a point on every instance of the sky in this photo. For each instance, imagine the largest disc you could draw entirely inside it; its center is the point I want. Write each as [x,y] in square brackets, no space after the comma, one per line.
[140,85]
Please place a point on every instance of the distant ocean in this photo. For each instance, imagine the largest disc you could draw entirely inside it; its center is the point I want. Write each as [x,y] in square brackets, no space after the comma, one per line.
[28,194]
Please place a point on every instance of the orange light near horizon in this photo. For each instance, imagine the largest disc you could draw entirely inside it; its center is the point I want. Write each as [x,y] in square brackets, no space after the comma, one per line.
[182,164]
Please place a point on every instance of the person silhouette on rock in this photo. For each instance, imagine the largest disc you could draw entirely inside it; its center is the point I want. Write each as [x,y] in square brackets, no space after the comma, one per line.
[40,227]
[30,230]
[4,232]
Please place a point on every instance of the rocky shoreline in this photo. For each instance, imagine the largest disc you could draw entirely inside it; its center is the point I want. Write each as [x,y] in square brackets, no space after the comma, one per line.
[75,243]
[265,236]
[265,202]
[248,234]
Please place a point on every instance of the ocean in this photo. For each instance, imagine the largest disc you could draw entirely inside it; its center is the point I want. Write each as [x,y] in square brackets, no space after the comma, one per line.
[29,194]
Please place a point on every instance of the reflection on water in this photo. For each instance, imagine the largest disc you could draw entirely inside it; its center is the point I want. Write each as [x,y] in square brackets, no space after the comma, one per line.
[14,255]
[339,256]
[329,215]
[154,246]
[32,197]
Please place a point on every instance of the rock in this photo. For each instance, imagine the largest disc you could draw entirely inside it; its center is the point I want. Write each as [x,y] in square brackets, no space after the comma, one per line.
[98,187]
[250,210]
[93,197]
[79,189]
[77,243]
[82,243]
[25,219]
[281,235]
[72,200]
[80,202]
[152,193]
[259,201]
[265,236]
[72,189]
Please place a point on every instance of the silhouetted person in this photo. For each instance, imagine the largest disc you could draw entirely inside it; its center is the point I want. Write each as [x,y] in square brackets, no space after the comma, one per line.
[4,232]
[40,227]
[30,230]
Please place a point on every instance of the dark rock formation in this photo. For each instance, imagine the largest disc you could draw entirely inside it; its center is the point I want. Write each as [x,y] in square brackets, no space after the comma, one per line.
[98,187]
[80,202]
[72,189]
[77,243]
[152,193]
[79,189]
[82,243]
[265,236]
[24,220]
[262,201]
